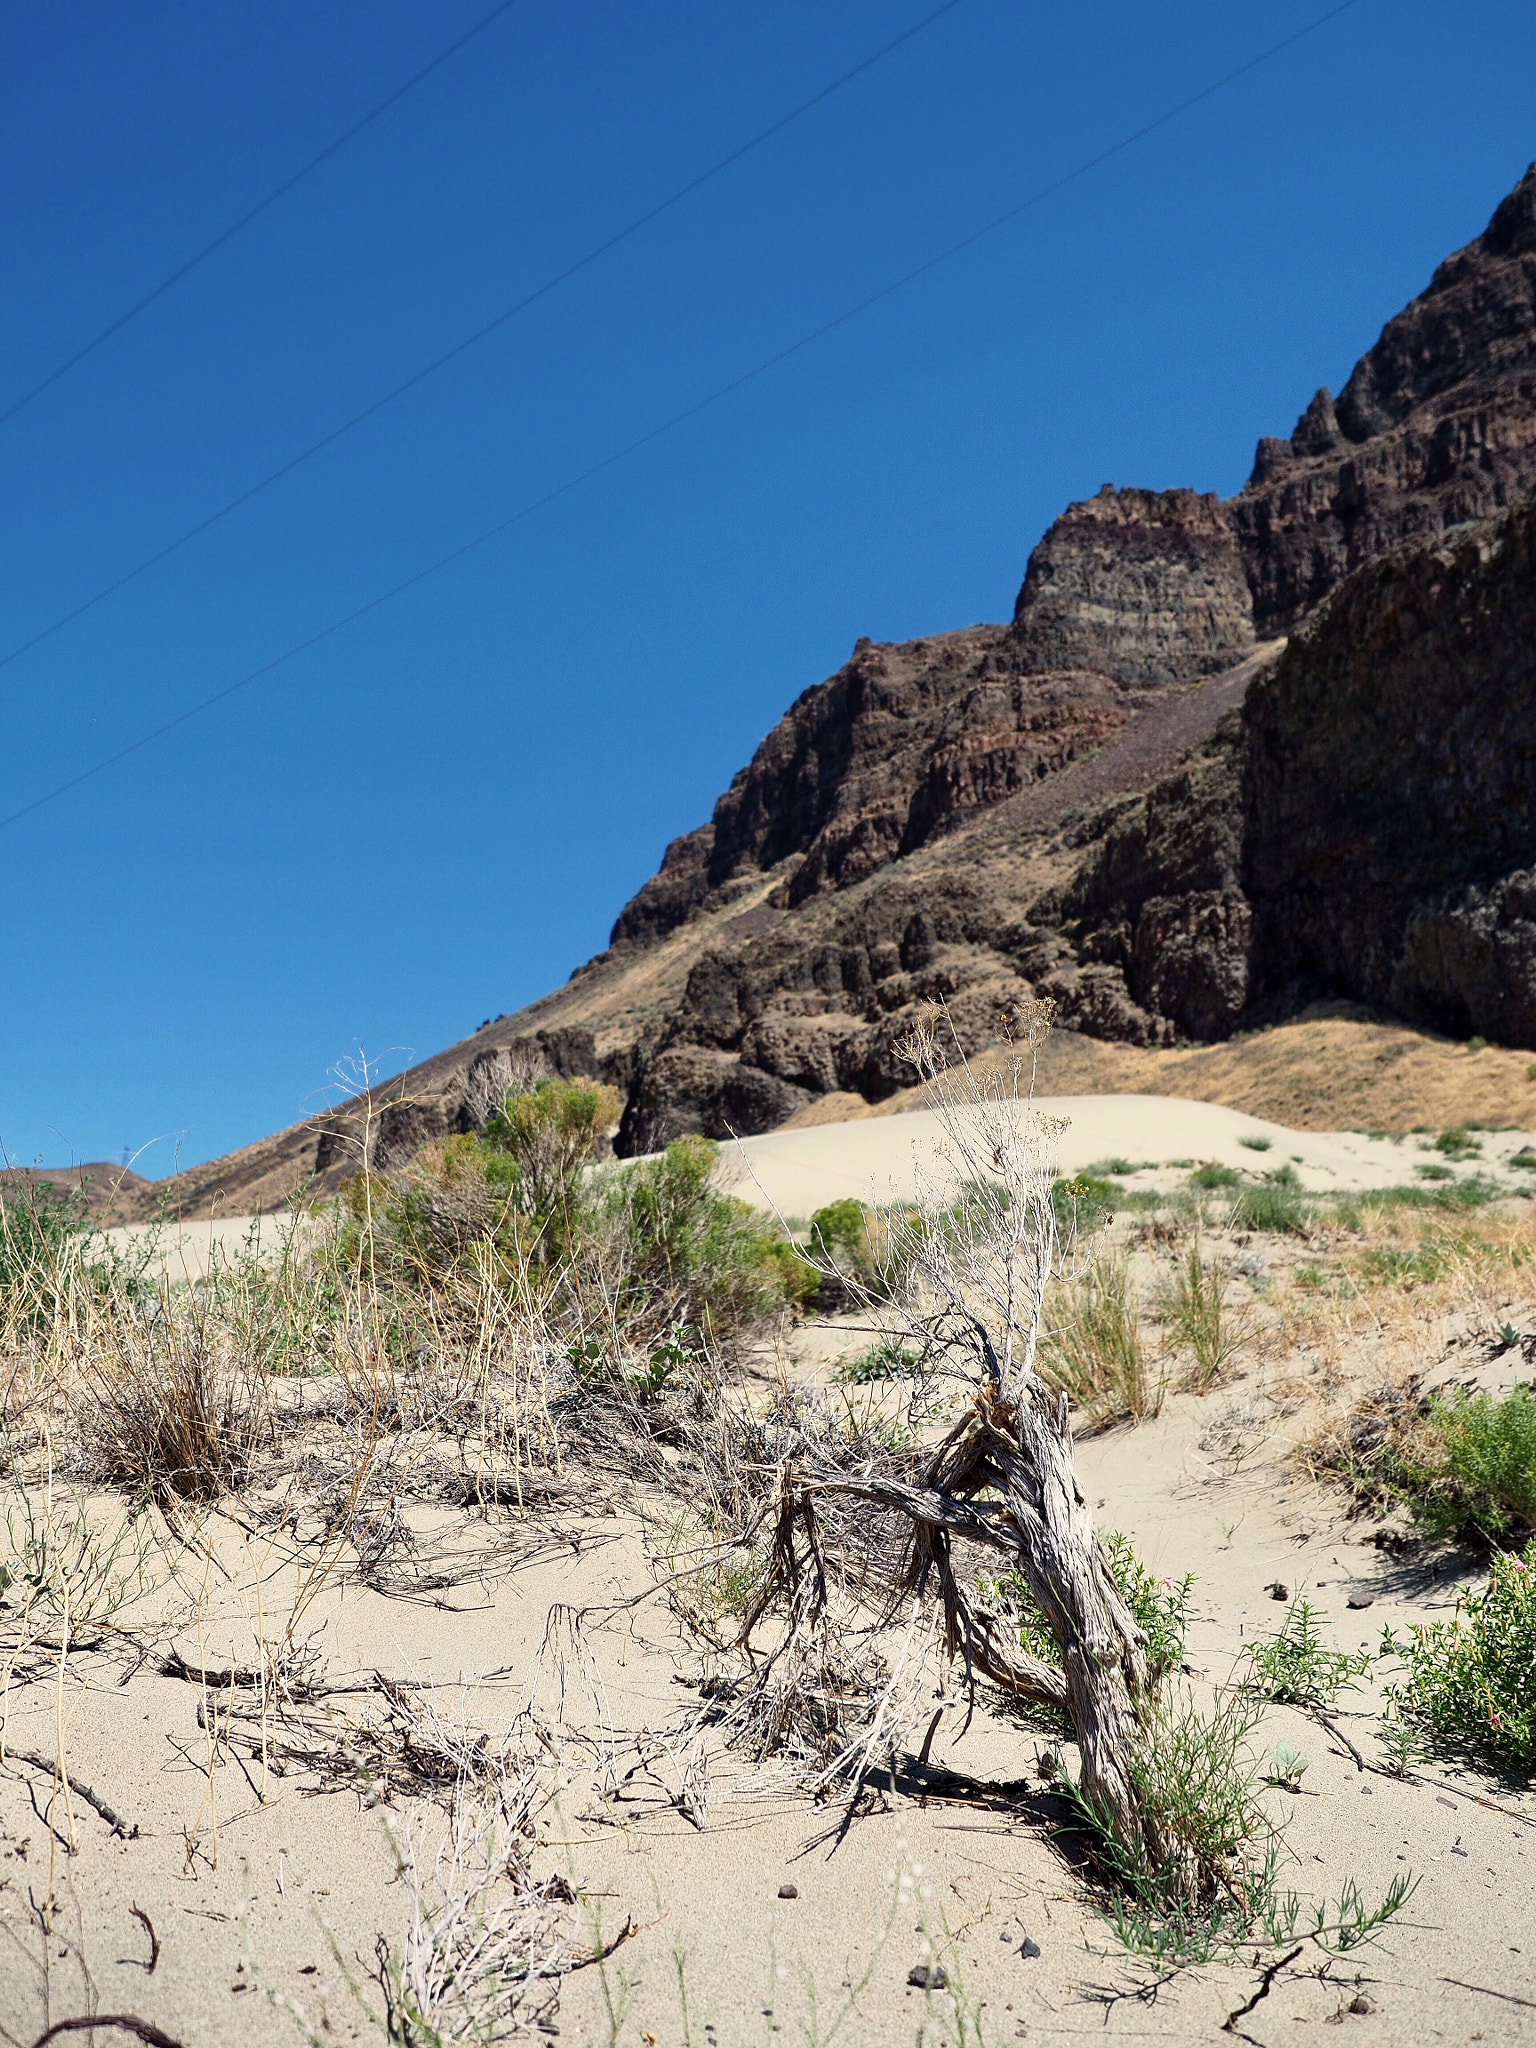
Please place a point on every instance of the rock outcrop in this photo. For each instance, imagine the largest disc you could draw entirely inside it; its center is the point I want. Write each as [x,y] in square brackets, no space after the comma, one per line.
[1191,904]
[1436,427]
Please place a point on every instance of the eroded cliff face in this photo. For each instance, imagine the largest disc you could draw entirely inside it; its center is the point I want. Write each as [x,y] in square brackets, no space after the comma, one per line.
[1436,427]
[1390,790]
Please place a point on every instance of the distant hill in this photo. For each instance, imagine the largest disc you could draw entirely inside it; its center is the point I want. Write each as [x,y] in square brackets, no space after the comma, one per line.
[1229,758]
[113,1194]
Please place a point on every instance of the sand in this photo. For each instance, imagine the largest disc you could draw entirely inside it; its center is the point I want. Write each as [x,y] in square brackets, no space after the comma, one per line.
[1158,1136]
[274,1941]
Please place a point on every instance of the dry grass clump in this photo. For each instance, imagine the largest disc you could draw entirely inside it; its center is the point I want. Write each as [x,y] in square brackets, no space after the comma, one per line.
[1193,1303]
[1095,1352]
[171,1413]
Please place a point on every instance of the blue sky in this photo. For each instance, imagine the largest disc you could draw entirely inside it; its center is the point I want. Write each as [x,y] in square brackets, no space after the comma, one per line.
[434,815]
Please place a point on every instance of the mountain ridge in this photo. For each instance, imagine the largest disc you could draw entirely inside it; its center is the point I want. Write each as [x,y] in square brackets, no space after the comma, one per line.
[1083,802]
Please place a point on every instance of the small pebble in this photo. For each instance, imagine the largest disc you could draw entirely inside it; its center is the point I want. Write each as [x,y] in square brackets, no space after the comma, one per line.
[1361,2004]
[1361,1599]
[789,1891]
[926,1977]
[1029,1949]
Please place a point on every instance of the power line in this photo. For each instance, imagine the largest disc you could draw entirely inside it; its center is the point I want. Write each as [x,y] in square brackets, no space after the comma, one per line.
[328,440]
[678,419]
[235,227]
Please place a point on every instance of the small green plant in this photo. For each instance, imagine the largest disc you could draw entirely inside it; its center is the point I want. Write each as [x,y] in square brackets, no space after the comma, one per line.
[1288,1768]
[1397,1266]
[886,1360]
[1194,1306]
[1212,1175]
[1107,1169]
[1457,1142]
[1083,1202]
[1296,1669]
[1525,1159]
[1095,1354]
[1431,1172]
[1398,1744]
[1477,1043]
[1255,1144]
[1471,1681]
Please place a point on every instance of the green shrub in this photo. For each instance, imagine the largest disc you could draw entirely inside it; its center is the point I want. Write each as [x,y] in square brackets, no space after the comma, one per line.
[1296,1669]
[1456,1142]
[1214,1176]
[1083,1202]
[1471,1681]
[1525,1159]
[1397,1266]
[1255,1144]
[627,1261]
[687,1257]
[48,1245]
[1472,1469]
[1108,1169]
[1428,1172]
[886,1360]
[1276,1204]
[1471,1191]
[851,1236]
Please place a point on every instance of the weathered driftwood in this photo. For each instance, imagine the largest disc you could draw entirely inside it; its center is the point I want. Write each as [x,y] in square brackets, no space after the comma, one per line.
[969,1278]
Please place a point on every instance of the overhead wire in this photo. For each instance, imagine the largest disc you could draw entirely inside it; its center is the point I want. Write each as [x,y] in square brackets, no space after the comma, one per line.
[482,333]
[678,419]
[255,212]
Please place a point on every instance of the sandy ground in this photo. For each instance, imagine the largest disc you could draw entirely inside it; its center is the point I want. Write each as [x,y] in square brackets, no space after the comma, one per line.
[241,1900]
[1159,1137]
[275,1917]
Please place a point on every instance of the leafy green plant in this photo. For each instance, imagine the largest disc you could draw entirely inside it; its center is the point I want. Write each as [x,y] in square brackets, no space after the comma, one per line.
[1213,1892]
[1471,1681]
[1295,1668]
[1288,1768]
[1194,1306]
[1095,1354]
[1456,1142]
[1256,1144]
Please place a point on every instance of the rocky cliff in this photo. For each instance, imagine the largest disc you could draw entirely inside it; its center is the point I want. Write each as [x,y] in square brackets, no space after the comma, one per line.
[1127,798]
